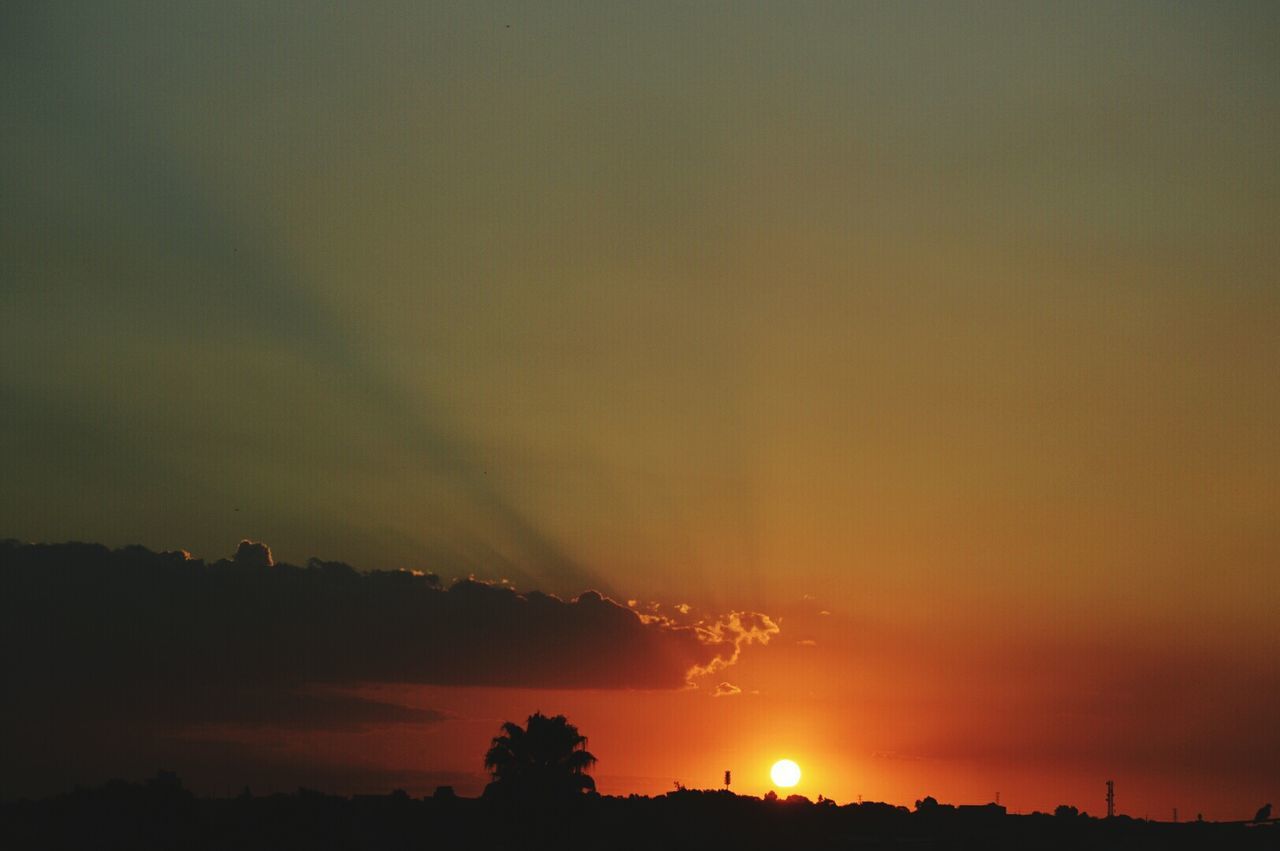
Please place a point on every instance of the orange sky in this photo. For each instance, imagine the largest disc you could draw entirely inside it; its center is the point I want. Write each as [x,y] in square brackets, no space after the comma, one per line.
[868,710]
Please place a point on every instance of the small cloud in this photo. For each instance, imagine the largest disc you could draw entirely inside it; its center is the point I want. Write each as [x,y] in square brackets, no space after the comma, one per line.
[252,554]
[729,635]
[684,608]
[727,690]
[806,642]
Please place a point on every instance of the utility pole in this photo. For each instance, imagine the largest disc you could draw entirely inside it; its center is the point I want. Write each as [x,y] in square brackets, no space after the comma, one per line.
[1111,799]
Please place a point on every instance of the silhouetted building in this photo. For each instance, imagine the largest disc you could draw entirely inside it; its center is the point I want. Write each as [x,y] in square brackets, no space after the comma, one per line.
[981,810]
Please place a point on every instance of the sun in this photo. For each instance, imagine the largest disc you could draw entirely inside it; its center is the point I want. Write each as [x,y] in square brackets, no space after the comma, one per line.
[785,773]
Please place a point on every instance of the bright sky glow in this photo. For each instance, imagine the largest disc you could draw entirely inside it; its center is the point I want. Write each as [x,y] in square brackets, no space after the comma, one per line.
[785,773]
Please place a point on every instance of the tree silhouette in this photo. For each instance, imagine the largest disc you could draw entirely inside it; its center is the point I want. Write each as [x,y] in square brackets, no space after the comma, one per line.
[545,759]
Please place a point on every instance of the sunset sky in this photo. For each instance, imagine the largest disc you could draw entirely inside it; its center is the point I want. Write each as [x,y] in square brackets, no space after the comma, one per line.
[913,368]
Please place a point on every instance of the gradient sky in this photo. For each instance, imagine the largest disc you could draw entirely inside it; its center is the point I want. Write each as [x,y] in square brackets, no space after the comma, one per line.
[946,335]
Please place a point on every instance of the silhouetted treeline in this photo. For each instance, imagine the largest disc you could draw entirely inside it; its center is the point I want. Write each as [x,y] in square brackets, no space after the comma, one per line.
[162,814]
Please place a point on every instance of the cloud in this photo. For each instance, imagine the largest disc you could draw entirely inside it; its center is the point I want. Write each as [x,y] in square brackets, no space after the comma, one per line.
[254,554]
[81,618]
[185,704]
[727,690]
[730,634]
[129,658]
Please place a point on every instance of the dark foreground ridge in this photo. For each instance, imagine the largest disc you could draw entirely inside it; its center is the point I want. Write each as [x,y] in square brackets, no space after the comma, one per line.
[162,814]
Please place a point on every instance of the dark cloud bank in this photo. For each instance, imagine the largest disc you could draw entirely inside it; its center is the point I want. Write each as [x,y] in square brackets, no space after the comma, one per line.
[223,640]
[120,661]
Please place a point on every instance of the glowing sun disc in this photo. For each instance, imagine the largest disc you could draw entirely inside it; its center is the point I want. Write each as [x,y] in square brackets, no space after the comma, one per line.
[785,773]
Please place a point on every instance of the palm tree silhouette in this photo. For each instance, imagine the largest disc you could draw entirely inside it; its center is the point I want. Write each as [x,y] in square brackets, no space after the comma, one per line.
[547,758]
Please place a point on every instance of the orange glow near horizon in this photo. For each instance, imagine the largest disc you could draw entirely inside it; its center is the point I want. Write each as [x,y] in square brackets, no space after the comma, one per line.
[892,724]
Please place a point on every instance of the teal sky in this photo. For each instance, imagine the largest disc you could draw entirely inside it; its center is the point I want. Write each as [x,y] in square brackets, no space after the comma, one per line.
[689,301]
